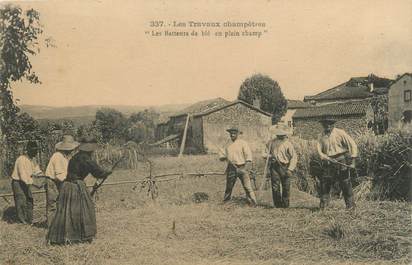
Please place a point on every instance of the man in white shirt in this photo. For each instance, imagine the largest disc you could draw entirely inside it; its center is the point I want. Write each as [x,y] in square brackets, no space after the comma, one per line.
[56,172]
[338,152]
[25,168]
[239,158]
[283,161]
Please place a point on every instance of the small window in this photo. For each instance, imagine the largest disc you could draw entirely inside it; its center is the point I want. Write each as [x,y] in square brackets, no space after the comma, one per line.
[407,95]
[290,124]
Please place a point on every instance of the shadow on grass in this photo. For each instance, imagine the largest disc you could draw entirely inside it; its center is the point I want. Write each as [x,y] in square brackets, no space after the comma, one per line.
[241,201]
[42,224]
[9,215]
[310,208]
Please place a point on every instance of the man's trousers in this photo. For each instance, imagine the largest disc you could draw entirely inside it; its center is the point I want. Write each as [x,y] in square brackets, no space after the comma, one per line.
[280,176]
[238,171]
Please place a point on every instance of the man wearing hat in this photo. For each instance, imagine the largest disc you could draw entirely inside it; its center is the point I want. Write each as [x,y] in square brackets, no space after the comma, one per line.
[282,163]
[239,158]
[25,168]
[56,171]
[338,152]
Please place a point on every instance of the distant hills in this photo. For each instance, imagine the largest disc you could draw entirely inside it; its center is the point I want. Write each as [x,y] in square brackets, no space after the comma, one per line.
[86,114]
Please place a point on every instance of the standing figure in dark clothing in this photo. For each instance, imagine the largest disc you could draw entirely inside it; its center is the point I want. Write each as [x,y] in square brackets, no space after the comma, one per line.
[338,152]
[283,161]
[75,219]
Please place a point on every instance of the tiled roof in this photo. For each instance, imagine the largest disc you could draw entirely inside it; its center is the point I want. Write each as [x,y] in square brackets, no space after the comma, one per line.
[202,106]
[399,77]
[298,104]
[342,91]
[355,88]
[335,109]
[231,104]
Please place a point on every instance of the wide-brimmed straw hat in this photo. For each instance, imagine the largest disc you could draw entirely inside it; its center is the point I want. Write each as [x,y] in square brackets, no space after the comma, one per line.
[327,121]
[68,143]
[88,144]
[233,129]
[281,132]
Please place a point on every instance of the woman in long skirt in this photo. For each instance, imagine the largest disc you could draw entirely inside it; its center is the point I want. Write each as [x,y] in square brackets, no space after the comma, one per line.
[75,219]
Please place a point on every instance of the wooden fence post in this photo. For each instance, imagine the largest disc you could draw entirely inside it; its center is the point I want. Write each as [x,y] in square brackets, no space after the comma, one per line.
[182,146]
[46,188]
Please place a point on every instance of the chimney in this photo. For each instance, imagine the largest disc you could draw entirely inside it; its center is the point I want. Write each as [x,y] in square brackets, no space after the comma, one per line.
[371,87]
[256,103]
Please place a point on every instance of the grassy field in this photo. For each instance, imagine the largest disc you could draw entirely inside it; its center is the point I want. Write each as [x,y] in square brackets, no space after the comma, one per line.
[175,230]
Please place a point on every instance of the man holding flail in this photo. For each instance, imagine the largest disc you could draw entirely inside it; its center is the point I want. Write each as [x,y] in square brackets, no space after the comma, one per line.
[239,158]
[283,160]
[338,152]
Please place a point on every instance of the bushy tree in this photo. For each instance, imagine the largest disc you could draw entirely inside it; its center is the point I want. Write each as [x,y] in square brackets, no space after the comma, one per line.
[142,125]
[267,92]
[19,39]
[23,129]
[111,124]
[19,33]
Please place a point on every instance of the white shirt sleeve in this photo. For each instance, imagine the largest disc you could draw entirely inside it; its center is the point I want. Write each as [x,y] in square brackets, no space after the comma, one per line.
[293,157]
[350,144]
[319,148]
[247,152]
[57,167]
[24,170]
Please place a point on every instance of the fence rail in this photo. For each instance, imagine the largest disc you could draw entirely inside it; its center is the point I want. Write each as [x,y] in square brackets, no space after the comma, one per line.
[157,178]
[148,182]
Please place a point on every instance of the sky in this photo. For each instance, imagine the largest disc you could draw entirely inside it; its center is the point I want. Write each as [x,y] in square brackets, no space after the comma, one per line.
[104,57]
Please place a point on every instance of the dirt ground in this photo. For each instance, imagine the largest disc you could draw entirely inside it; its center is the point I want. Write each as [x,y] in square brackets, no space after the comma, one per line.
[132,229]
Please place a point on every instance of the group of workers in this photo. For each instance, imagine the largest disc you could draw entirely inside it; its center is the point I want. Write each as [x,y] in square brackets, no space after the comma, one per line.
[336,149]
[71,210]
[71,215]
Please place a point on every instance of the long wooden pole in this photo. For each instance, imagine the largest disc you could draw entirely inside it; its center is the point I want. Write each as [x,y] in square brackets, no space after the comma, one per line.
[182,146]
[265,170]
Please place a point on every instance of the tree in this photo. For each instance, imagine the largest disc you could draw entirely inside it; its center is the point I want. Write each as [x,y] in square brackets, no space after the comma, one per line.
[267,92]
[19,33]
[24,128]
[111,124]
[142,125]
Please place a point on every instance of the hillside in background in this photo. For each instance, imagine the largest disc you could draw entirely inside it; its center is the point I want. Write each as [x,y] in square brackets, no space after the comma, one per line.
[85,114]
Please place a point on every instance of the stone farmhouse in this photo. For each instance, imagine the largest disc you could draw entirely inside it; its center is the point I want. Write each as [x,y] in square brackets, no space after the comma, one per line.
[293,105]
[355,117]
[206,124]
[399,98]
[355,89]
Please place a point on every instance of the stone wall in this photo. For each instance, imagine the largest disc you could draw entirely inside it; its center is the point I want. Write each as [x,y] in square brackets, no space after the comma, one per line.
[310,128]
[254,125]
[396,100]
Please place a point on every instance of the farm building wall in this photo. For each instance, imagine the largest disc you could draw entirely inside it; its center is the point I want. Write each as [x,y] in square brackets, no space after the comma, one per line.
[254,125]
[161,131]
[286,120]
[399,100]
[177,124]
[310,128]
[194,142]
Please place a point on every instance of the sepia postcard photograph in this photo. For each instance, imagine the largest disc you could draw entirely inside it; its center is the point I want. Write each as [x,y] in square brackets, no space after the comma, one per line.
[250,132]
